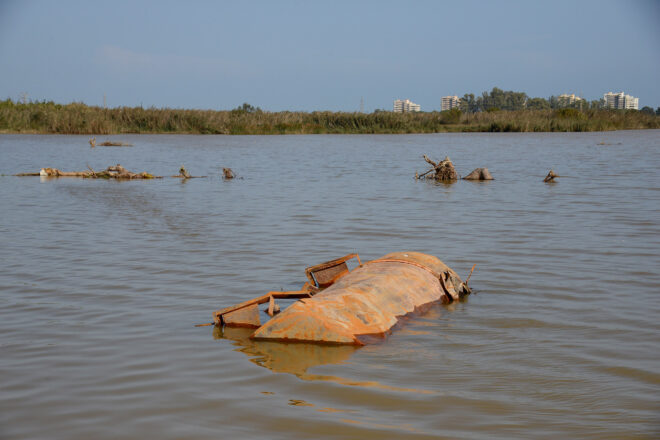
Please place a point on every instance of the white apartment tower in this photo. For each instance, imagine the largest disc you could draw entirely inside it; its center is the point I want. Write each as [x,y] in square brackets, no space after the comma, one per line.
[449,102]
[620,101]
[405,106]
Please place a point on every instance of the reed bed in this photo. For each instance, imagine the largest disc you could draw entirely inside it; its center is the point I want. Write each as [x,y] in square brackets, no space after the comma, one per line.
[78,118]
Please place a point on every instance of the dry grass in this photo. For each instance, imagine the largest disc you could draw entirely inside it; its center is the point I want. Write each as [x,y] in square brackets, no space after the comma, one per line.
[77,118]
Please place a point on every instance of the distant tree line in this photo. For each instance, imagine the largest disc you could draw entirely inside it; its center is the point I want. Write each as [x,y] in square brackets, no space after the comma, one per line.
[499,99]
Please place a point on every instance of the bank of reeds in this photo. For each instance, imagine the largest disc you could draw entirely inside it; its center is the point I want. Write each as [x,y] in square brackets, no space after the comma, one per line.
[77,118]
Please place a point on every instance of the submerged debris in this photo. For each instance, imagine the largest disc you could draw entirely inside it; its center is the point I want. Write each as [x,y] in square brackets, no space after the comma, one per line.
[442,171]
[228,173]
[550,177]
[342,306]
[183,173]
[92,143]
[115,144]
[479,174]
[112,172]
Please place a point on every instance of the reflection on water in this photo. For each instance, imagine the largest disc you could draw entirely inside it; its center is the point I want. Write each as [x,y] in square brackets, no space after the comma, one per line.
[294,358]
[298,357]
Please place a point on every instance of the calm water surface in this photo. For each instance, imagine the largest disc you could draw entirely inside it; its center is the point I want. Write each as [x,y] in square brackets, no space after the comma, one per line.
[101,283]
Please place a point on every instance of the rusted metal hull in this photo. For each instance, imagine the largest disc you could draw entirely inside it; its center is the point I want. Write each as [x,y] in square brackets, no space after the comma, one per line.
[366,301]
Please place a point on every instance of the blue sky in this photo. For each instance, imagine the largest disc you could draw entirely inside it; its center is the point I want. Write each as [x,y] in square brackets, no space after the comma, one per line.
[324,55]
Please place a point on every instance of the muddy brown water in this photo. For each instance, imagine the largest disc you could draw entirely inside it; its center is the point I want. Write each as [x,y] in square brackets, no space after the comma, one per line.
[101,283]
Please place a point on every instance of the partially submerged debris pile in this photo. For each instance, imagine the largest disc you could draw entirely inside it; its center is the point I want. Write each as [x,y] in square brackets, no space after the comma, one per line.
[442,171]
[479,174]
[92,142]
[112,172]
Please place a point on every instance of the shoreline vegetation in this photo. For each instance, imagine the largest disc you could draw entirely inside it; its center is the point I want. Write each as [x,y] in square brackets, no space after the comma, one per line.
[77,118]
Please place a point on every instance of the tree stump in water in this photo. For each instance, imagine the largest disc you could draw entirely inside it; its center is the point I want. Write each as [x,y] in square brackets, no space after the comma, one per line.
[479,174]
[443,171]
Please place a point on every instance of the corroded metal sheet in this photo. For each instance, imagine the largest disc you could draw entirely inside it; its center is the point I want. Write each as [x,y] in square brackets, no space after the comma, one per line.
[367,301]
[245,317]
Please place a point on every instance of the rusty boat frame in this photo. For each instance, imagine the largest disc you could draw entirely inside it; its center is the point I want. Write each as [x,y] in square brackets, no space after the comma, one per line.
[337,305]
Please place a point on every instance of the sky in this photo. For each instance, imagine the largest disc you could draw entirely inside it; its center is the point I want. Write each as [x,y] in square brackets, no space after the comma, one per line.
[324,55]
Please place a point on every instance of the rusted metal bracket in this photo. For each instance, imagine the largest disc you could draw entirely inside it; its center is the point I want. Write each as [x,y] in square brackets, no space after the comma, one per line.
[325,274]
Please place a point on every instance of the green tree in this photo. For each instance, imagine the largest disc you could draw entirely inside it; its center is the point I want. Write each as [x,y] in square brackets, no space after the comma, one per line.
[452,116]
[247,108]
[648,110]
[468,103]
[538,104]
[500,99]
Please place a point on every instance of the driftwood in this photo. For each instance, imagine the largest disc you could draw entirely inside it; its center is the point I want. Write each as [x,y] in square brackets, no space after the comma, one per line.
[92,143]
[185,175]
[115,144]
[550,177]
[443,171]
[479,174]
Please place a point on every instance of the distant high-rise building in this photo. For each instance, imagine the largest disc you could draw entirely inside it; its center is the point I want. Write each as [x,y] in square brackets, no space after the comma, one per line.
[620,101]
[405,106]
[565,100]
[449,102]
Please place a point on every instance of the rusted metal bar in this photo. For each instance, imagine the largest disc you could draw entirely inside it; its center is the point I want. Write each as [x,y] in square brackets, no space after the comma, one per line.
[295,294]
[272,307]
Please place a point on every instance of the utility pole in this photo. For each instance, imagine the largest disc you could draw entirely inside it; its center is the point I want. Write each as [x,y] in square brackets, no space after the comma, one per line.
[105,102]
[361,104]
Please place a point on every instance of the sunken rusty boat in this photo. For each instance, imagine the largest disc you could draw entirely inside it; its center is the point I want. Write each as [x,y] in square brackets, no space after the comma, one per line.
[341,306]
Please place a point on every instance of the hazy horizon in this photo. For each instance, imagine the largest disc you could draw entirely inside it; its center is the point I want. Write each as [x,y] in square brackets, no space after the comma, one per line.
[296,55]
